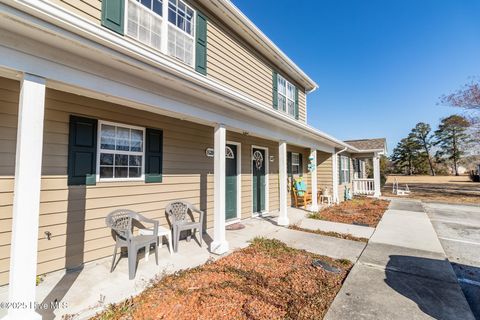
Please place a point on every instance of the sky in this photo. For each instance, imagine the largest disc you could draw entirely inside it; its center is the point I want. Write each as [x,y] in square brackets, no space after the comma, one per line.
[381,65]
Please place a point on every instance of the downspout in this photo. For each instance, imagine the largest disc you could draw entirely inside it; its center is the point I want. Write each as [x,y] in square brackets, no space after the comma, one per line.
[335,174]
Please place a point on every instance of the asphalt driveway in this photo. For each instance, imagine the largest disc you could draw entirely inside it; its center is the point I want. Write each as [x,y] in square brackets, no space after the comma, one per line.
[458,229]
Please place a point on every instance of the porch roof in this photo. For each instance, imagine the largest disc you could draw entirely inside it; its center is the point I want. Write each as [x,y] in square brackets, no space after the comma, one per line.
[369,145]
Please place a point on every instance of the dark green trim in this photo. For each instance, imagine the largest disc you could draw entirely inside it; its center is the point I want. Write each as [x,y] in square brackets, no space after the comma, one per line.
[275,89]
[201,44]
[153,156]
[296,103]
[82,151]
[289,164]
[300,164]
[113,13]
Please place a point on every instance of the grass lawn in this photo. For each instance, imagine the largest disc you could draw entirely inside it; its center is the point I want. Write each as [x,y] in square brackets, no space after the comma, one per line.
[449,189]
[266,280]
[359,210]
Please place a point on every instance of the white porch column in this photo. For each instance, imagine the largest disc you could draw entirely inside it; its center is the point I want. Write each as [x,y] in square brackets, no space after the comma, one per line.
[219,244]
[282,176]
[313,156]
[26,200]
[335,177]
[376,175]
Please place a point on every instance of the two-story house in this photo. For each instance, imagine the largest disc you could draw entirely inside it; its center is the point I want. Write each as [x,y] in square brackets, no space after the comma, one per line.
[135,103]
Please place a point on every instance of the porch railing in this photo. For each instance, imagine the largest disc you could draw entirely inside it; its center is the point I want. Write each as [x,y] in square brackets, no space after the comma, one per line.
[363,187]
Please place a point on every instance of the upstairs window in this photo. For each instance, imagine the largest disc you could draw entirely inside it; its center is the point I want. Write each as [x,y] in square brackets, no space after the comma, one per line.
[286,96]
[144,21]
[180,31]
[165,25]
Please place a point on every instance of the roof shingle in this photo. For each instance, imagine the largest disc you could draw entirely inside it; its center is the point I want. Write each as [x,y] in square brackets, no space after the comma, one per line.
[368,144]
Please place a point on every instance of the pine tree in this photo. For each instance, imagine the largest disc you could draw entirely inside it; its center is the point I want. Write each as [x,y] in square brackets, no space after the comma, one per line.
[405,154]
[452,139]
[421,135]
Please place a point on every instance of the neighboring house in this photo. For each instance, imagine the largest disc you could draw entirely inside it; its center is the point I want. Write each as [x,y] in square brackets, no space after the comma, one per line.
[127,104]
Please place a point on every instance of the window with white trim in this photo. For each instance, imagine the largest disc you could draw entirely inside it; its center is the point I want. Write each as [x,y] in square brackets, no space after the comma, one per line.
[121,154]
[296,163]
[286,96]
[344,169]
[145,23]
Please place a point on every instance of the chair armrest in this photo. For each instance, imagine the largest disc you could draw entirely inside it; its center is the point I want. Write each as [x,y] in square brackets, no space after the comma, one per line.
[200,213]
[152,221]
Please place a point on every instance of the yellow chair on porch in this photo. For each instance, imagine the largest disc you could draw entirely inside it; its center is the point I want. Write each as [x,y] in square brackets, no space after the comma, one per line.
[301,196]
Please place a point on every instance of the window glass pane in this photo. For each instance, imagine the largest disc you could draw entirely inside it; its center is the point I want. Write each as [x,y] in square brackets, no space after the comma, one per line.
[123,139]
[121,160]
[295,158]
[106,172]
[121,172]
[291,108]
[134,172]
[135,161]
[107,140]
[106,159]
[147,3]
[158,7]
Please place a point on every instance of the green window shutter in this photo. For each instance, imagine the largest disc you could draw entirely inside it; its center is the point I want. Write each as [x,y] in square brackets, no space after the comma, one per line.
[82,151]
[300,162]
[153,156]
[201,47]
[289,164]
[275,89]
[296,103]
[113,12]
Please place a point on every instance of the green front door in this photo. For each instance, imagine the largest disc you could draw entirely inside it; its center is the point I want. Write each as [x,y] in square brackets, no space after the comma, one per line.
[231,182]
[258,169]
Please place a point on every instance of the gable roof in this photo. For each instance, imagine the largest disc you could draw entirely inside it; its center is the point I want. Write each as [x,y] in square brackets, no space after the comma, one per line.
[368,144]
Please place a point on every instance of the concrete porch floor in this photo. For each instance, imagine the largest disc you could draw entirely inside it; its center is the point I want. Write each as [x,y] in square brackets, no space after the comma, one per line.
[82,293]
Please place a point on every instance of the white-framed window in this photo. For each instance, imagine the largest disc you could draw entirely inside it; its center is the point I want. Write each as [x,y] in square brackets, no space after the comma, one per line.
[165,25]
[144,21]
[344,169]
[296,163]
[286,96]
[120,152]
[181,31]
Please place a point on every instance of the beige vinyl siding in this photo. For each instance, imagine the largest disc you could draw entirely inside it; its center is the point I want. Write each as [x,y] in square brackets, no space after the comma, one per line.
[74,215]
[231,62]
[88,9]
[324,171]
[302,106]
[229,59]
[9,93]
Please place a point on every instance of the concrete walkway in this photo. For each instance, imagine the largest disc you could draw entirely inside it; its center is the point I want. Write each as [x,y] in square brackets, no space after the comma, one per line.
[82,293]
[402,274]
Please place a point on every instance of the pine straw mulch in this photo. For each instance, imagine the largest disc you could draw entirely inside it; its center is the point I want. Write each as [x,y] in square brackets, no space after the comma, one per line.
[346,236]
[359,210]
[266,280]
